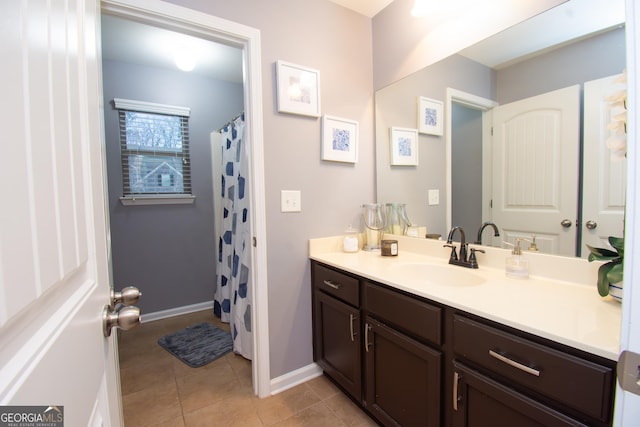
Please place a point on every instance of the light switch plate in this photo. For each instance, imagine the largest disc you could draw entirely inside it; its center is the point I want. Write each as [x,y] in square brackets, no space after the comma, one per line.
[290,201]
[434,197]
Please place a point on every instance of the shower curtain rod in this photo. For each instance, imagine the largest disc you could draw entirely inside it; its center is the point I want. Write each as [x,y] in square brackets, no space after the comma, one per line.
[229,122]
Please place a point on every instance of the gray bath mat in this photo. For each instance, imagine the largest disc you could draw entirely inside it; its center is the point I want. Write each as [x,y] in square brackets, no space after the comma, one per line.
[198,345]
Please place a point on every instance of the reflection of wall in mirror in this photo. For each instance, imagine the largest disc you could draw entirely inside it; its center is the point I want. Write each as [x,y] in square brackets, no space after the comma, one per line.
[395,106]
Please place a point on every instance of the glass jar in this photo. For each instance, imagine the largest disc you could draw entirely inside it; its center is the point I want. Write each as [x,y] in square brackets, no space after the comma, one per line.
[397,220]
[350,240]
[373,222]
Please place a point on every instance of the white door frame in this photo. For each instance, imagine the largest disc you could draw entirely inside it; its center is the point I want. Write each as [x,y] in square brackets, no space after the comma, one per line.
[477,103]
[627,405]
[179,19]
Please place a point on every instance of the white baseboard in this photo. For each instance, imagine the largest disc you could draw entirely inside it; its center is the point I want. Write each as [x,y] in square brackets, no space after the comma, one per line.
[293,378]
[186,309]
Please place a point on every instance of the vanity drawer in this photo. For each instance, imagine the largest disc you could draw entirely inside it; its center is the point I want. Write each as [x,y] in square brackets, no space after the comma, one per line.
[340,285]
[412,315]
[572,381]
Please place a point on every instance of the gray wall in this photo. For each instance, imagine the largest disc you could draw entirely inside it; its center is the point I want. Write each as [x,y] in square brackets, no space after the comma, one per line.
[599,56]
[396,106]
[167,251]
[466,169]
[337,42]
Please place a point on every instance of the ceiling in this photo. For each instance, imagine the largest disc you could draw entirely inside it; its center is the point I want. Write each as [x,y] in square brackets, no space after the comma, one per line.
[128,41]
[368,8]
[133,42]
[567,22]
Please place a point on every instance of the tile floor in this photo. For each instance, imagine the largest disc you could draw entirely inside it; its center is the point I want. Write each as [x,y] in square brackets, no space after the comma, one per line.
[159,390]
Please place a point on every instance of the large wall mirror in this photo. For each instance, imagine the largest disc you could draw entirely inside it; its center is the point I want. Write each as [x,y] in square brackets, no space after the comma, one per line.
[525,117]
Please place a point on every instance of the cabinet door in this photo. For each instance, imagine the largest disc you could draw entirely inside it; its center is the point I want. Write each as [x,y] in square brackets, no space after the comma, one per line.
[403,384]
[479,401]
[337,342]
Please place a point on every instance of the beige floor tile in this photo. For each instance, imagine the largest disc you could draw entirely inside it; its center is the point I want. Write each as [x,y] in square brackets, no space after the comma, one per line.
[317,415]
[161,391]
[176,422]
[323,387]
[231,412]
[242,368]
[277,408]
[347,411]
[151,406]
[203,389]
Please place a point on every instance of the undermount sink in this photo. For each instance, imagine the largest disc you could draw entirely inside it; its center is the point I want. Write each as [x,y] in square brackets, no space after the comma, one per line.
[438,274]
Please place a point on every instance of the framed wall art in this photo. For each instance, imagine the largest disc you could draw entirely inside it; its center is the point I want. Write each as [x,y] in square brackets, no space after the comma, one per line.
[298,89]
[339,139]
[430,116]
[404,146]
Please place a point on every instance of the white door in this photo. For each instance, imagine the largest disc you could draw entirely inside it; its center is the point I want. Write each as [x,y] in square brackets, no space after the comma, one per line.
[604,179]
[54,276]
[535,165]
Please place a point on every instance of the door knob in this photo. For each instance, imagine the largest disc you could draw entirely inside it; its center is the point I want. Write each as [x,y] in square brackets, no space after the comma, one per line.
[127,296]
[126,318]
[566,223]
[591,225]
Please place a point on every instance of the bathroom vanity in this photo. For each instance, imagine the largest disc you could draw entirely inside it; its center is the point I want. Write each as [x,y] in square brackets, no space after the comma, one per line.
[415,341]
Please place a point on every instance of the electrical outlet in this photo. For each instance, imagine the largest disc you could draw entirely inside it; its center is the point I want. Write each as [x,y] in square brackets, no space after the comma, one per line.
[434,197]
[290,201]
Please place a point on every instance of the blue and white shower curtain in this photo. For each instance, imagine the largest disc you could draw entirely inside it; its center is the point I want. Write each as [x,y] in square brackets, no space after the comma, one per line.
[232,300]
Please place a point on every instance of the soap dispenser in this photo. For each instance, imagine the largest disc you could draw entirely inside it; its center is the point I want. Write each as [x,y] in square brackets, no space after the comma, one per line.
[517,265]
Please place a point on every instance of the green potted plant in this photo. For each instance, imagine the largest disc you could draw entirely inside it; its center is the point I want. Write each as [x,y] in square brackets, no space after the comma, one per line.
[611,271]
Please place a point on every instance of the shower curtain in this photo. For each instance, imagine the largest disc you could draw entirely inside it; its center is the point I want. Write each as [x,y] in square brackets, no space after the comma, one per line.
[232,300]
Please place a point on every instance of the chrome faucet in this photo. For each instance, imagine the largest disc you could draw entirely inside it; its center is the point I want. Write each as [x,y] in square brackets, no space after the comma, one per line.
[496,233]
[461,260]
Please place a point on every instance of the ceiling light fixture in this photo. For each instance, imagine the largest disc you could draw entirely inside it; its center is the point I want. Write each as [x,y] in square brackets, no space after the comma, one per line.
[420,8]
[185,60]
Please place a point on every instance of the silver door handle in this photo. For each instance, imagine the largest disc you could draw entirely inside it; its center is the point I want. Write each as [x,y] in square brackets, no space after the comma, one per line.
[351,319]
[127,296]
[566,223]
[367,328]
[126,318]
[332,284]
[515,364]
[456,395]
[591,225]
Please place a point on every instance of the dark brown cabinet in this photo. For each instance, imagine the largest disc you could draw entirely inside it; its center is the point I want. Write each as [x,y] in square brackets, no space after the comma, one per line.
[336,324]
[483,402]
[411,361]
[557,382]
[402,378]
[403,359]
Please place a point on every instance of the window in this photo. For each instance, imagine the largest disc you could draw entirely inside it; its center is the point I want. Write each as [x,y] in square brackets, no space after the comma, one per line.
[154,147]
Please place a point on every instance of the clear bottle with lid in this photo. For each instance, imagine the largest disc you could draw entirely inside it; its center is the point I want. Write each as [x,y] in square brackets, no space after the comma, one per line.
[517,266]
[350,240]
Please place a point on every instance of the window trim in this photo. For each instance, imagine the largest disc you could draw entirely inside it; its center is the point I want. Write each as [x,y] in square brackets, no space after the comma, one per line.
[152,107]
[155,199]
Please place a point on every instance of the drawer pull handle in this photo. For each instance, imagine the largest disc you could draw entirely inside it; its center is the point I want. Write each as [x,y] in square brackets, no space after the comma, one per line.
[456,396]
[515,364]
[367,328]
[351,319]
[331,284]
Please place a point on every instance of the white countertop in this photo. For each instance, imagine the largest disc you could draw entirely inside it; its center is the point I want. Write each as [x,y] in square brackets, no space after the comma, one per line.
[568,312]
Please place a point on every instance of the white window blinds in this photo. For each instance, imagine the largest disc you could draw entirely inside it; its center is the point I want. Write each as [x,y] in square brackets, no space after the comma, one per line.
[154,146]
